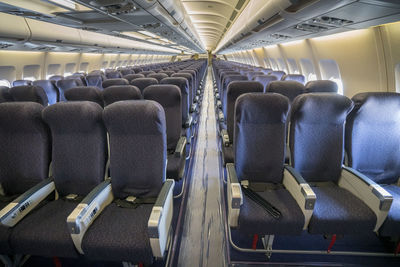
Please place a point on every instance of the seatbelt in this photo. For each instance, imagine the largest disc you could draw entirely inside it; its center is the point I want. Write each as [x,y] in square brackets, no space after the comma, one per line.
[133,203]
[274,212]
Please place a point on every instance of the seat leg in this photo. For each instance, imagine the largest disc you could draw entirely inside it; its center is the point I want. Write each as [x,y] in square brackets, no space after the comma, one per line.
[268,240]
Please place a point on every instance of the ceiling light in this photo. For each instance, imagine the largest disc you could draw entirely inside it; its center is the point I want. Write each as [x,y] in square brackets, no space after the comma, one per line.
[149,34]
[135,35]
[65,3]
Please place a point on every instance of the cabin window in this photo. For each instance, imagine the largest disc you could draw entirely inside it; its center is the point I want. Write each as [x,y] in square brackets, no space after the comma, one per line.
[84,67]
[307,69]
[7,74]
[69,69]
[53,69]
[330,71]
[274,66]
[293,69]
[397,77]
[282,65]
[31,72]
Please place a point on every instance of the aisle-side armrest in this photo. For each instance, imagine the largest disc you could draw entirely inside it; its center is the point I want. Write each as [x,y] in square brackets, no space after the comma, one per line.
[372,194]
[180,147]
[300,191]
[235,197]
[11,214]
[188,122]
[87,211]
[159,224]
[225,137]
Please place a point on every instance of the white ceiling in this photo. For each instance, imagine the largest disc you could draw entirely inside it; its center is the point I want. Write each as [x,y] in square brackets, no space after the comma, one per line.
[212,18]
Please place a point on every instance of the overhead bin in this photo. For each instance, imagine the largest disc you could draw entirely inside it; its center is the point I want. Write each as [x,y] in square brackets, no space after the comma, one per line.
[94,39]
[19,31]
[53,33]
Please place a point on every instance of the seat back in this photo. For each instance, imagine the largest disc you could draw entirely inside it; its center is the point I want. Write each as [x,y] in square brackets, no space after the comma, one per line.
[79,146]
[169,97]
[125,72]
[113,74]
[321,86]
[260,135]
[168,72]
[50,90]
[236,89]
[290,89]
[120,92]
[137,147]
[116,81]
[142,83]
[85,93]
[64,85]
[157,76]
[25,146]
[228,79]
[373,136]
[79,79]
[94,80]
[56,78]
[294,77]
[147,72]
[131,77]
[264,80]
[183,85]
[278,73]
[21,83]
[5,94]
[316,137]
[29,93]
[251,74]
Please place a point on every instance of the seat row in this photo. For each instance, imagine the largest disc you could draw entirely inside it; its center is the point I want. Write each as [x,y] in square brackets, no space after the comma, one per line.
[64,195]
[315,192]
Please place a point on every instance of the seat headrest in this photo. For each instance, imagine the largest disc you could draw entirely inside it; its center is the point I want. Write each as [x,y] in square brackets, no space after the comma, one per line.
[165,94]
[85,93]
[116,81]
[321,86]
[142,83]
[181,82]
[29,93]
[131,77]
[294,77]
[5,94]
[290,89]
[158,76]
[120,92]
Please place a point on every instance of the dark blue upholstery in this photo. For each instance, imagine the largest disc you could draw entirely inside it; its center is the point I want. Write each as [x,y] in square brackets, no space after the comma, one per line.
[391,226]
[24,146]
[337,211]
[373,136]
[147,72]
[85,93]
[5,94]
[253,219]
[259,138]
[142,83]
[131,77]
[138,146]
[294,77]
[279,74]
[120,92]
[226,81]
[50,89]
[113,74]
[264,80]
[158,76]
[183,84]
[29,93]
[168,72]
[64,85]
[5,233]
[317,130]
[94,80]
[251,74]
[321,86]
[120,234]
[114,81]
[290,89]
[21,83]
[56,78]
[80,80]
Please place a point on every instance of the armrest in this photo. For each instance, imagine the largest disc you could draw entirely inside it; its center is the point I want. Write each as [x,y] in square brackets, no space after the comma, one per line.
[11,214]
[188,122]
[193,108]
[86,212]
[235,197]
[180,147]
[221,116]
[159,223]
[217,96]
[372,194]
[300,191]
[219,104]
[225,137]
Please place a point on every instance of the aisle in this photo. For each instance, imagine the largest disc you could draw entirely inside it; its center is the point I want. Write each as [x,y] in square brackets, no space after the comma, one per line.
[203,237]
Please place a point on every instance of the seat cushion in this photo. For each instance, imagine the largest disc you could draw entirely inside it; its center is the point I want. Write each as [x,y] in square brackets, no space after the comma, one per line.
[44,232]
[175,166]
[120,234]
[4,235]
[337,211]
[391,226]
[253,219]
[227,154]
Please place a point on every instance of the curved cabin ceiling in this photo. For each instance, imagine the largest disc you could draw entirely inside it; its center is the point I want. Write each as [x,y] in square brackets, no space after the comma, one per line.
[212,18]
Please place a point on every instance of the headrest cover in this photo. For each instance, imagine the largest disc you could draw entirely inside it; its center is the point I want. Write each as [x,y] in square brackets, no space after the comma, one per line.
[321,86]
[116,81]
[131,77]
[49,88]
[85,93]
[158,76]
[317,135]
[259,139]
[142,83]
[137,132]
[29,93]
[290,89]
[373,136]
[294,77]
[120,92]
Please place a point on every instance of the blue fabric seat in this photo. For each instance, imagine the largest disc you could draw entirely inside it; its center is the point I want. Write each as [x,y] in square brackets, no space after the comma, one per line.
[391,226]
[338,211]
[253,219]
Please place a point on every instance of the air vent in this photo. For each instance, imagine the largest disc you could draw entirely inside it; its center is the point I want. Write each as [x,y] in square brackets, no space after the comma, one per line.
[151,25]
[299,5]
[280,36]
[310,28]
[268,23]
[332,21]
[114,7]
[90,29]
[5,45]
[239,4]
